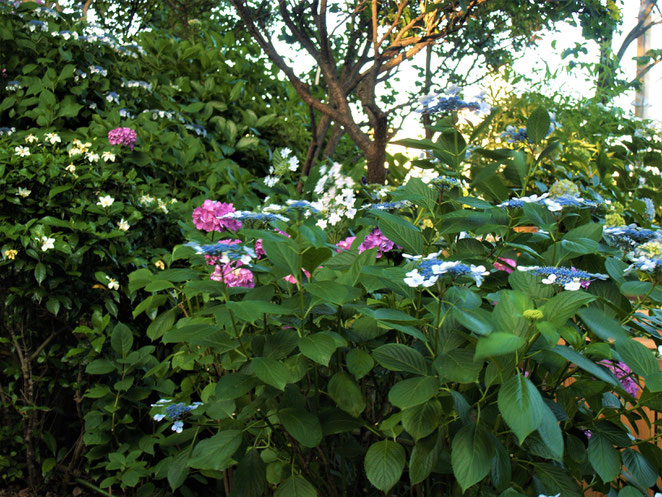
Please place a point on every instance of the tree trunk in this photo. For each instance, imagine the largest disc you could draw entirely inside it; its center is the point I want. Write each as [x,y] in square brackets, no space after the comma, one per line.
[643,46]
[376,152]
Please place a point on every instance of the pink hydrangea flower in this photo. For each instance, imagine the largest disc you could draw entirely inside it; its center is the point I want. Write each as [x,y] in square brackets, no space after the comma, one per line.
[232,274]
[508,267]
[345,244]
[376,240]
[122,136]
[624,374]
[291,279]
[259,250]
[213,259]
[207,217]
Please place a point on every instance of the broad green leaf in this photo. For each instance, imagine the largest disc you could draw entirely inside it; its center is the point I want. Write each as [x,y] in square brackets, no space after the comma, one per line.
[178,470]
[346,393]
[423,459]
[587,365]
[537,125]
[508,313]
[295,486]
[313,257]
[565,305]
[283,254]
[496,344]
[604,458]
[271,372]
[603,326]
[233,385]
[161,324]
[458,366]
[250,478]
[384,463]
[100,366]
[302,425]
[550,432]
[636,355]
[471,455]
[121,339]
[629,491]
[421,420]
[359,362]
[477,320]
[204,335]
[400,357]
[215,452]
[521,406]
[413,391]
[40,272]
[400,231]
[643,472]
[501,470]
[332,291]
[319,347]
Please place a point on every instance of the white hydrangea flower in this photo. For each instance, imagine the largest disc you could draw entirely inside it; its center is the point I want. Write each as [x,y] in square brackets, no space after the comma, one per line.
[92,157]
[52,138]
[322,223]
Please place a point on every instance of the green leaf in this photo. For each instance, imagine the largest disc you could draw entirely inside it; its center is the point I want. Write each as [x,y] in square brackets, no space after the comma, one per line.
[419,421]
[295,486]
[400,357]
[550,432]
[100,366]
[302,425]
[640,359]
[40,272]
[234,385]
[400,231]
[359,362]
[501,470]
[629,491]
[424,457]
[603,326]
[476,320]
[283,254]
[537,125]
[121,339]
[565,305]
[384,463]
[643,472]
[313,257]
[271,372]
[163,322]
[319,347]
[458,366]
[332,291]
[413,391]
[604,458]
[471,455]
[346,394]
[204,335]
[521,406]
[214,453]
[250,478]
[496,344]
[178,470]
[587,365]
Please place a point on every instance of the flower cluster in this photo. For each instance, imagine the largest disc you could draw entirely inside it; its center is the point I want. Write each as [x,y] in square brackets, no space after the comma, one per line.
[376,239]
[628,237]
[430,269]
[283,161]
[211,217]
[260,217]
[647,256]
[553,204]
[224,251]
[572,279]
[137,84]
[98,70]
[451,102]
[336,196]
[624,374]
[520,135]
[174,412]
[446,182]
[388,206]
[122,136]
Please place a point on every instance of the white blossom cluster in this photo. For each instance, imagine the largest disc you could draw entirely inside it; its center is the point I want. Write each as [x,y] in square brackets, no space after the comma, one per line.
[336,196]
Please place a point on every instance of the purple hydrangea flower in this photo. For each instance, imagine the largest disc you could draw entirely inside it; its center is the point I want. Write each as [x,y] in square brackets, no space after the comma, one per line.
[122,136]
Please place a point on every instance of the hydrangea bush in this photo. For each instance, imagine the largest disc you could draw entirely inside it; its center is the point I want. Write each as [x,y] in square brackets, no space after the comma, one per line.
[448,338]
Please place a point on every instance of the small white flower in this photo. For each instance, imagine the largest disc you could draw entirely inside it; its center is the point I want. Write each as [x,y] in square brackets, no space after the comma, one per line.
[30,138]
[92,157]
[113,284]
[75,151]
[293,164]
[106,201]
[123,225]
[146,199]
[24,192]
[52,138]
[47,243]
[159,417]
[553,206]
[574,285]
[322,223]
[108,156]
[22,151]
[414,278]
[549,280]
[334,218]
[162,205]
[71,169]
[270,181]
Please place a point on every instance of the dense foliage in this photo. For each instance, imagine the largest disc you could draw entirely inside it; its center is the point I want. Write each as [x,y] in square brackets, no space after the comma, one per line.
[178,319]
